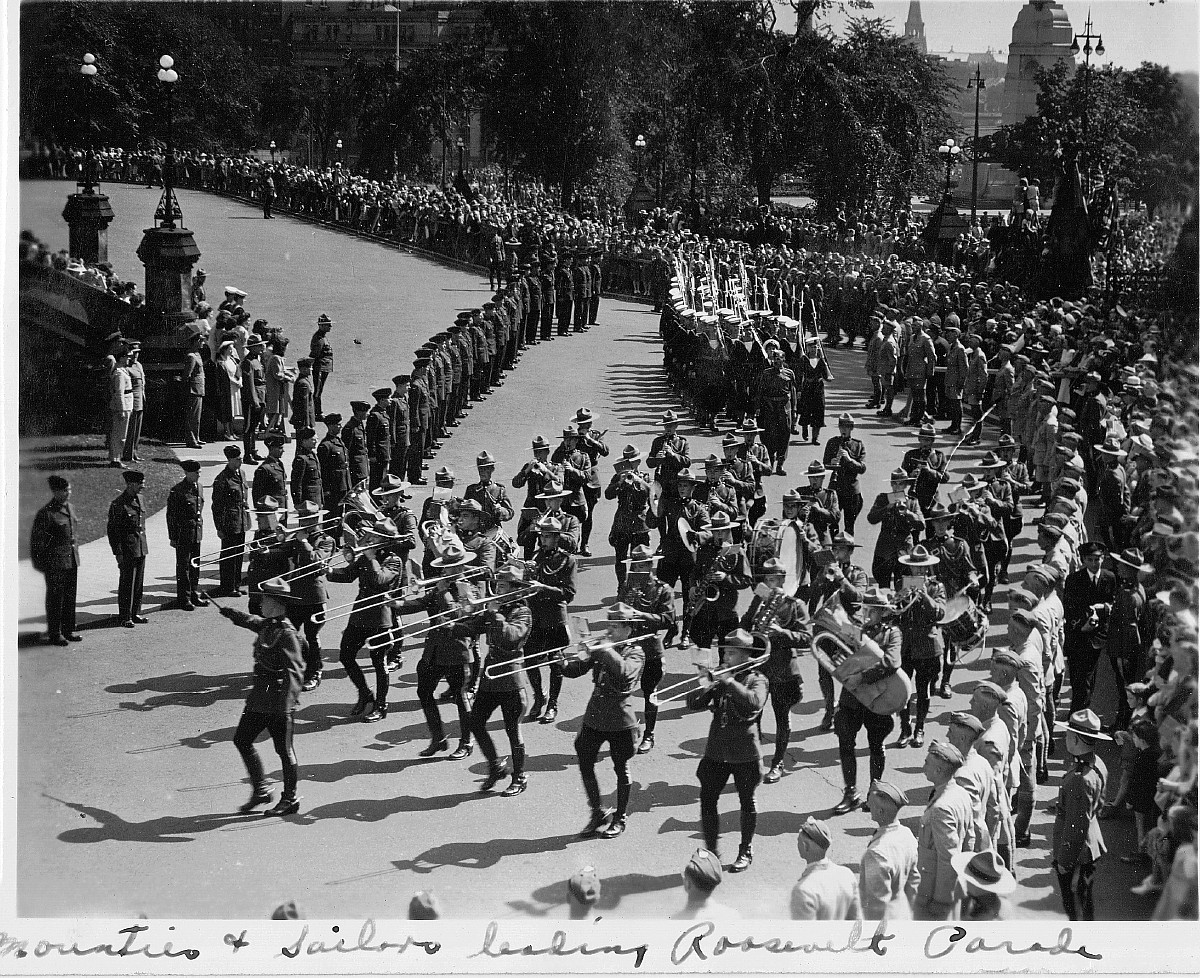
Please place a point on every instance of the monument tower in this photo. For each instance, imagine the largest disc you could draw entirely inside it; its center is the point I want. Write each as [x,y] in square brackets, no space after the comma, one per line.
[1041,37]
[914,27]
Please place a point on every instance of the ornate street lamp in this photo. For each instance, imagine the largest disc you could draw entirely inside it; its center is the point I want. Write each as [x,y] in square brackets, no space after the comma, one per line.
[91,175]
[459,144]
[168,208]
[272,152]
[640,145]
[949,151]
[1088,37]
[88,212]
[339,150]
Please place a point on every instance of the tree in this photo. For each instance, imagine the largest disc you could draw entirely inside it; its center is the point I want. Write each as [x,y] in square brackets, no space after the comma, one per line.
[1164,139]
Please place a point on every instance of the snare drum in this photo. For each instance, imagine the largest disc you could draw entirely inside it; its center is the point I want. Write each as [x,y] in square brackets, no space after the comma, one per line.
[963,624]
[779,539]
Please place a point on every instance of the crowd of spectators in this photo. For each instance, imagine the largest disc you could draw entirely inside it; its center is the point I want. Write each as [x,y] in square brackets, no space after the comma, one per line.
[99,276]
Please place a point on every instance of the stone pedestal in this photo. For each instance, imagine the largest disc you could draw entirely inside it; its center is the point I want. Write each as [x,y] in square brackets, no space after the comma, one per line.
[641,198]
[168,254]
[945,226]
[88,217]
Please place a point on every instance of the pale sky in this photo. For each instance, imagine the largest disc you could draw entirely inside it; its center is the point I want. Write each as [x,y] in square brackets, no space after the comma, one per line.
[1133,30]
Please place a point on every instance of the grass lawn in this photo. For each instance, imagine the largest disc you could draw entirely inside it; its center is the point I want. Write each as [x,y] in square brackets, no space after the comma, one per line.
[84,460]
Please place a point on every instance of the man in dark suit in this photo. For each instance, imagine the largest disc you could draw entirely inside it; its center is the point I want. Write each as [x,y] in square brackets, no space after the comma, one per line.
[564,290]
[185,528]
[1088,595]
[55,553]
[231,515]
[127,538]
[306,470]
[254,396]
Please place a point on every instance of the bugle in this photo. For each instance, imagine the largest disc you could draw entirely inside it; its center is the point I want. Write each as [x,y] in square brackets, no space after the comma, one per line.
[657,698]
[386,597]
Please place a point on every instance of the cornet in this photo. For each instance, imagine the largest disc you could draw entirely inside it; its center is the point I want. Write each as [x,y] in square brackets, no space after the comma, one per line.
[657,699]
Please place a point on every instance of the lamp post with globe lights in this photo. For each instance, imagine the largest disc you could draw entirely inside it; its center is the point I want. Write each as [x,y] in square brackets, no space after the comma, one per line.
[88,213]
[978,84]
[339,151]
[459,144]
[1088,37]
[272,152]
[168,250]
[949,152]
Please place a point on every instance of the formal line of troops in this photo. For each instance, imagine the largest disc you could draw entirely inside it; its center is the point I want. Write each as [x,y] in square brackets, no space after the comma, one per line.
[890,654]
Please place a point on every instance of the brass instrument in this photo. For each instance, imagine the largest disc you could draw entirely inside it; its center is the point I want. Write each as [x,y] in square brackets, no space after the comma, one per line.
[548,657]
[468,600]
[657,699]
[344,557]
[393,594]
[253,547]
[768,611]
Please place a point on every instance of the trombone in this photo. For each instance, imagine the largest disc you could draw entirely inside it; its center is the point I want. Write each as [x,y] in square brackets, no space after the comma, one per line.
[432,623]
[657,699]
[345,555]
[513,667]
[386,597]
[255,546]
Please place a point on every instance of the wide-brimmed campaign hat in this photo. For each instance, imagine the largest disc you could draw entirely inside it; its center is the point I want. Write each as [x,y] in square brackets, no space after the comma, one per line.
[1083,723]
[553,490]
[983,871]
[920,557]
[455,555]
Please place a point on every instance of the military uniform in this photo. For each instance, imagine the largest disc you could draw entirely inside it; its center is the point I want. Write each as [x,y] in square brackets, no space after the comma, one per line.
[826,891]
[629,528]
[230,513]
[185,527]
[379,445]
[1077,840]
[776,398]
[846,472]
[888,877]
[564,288]
[947,828]
[358,462]
[306,479]
[270,479]
[335,471]
[399,429]
[54,551]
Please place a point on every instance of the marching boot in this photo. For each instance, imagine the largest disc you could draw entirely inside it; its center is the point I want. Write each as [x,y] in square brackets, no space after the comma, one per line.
[260,795]
[774,774]
[519,784]
[598,817]
[551,713]
[365,700]
[496,772]
[312,682]
[743,861]
[287,805]
[905,729]
[377,714]
[850,801]
[918,737]
[464,749]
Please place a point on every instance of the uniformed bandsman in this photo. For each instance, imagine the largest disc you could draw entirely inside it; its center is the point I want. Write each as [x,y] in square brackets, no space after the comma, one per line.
[653,605]
[928,466]
[922,646]
[631,491]
[846,457]
[491,495]
[900,521]
[553,568]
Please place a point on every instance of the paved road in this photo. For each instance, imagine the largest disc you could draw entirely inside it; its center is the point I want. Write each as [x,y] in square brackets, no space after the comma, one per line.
[128,777]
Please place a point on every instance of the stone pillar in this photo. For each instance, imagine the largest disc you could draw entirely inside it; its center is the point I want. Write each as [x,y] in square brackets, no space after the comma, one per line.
[88,216]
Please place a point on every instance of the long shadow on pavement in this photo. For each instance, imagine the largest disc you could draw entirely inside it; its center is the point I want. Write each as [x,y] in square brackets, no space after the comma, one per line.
[481,855]
[547,898]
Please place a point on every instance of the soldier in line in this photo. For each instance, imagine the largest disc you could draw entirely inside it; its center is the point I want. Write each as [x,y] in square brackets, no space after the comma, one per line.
[185,528]
[127,538]
[55,553]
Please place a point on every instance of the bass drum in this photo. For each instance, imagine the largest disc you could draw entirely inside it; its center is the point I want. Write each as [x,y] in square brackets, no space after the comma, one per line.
[779,539]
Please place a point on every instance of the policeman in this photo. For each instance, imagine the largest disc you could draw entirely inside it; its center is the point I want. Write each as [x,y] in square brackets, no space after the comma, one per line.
[846,456]
[55,553]
[185,528]
[127,538]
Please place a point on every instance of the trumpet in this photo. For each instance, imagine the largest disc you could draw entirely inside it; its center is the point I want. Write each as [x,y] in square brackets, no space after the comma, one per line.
[657,699]
[386,597]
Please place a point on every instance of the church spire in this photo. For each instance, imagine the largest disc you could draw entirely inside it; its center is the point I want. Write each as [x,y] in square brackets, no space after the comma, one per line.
[914,27]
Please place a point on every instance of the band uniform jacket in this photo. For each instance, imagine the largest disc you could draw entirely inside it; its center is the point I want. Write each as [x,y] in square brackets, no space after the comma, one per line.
[577,467]
[375,575]
[646,593]
[669,455]
[899,526]
[568,538]
[722,497]
[888,876]
[321,352]
[824,513]
[52,543]
[728,560]
[787,644]
[616,676]
[957,567]
[482,546]
[947,828]
[1080,592]
[1077,836]
[555,569]
[306,479]
[736,706]
[928,465]
[185,514]
[378,435]
[760,462]
[494,499]
[844,480]
[534,476]
[270,479]
[592,445]
[265,561]
[919,624]
[826,891]
[278,663]
[230,503]
[507,629]
[632,493]
[335,470]
[354,437]
[308,589]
